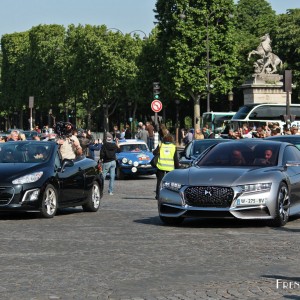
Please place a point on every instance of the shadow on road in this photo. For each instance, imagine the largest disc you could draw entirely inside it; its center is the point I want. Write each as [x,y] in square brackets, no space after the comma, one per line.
[20,215]
[206,223]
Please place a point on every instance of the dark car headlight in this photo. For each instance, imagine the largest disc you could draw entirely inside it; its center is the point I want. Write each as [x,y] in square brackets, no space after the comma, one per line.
[174,186]
[29,178]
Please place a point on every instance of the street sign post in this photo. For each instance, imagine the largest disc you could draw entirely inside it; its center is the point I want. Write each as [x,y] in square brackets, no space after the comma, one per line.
[156,106]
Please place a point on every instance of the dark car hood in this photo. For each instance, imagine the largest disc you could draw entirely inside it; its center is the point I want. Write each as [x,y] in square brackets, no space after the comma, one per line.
[10,171]
[228,176]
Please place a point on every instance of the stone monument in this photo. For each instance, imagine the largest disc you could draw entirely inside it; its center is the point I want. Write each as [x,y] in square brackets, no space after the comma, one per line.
[266,85]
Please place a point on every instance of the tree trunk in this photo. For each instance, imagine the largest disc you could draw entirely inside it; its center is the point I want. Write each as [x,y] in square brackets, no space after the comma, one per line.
[197,113]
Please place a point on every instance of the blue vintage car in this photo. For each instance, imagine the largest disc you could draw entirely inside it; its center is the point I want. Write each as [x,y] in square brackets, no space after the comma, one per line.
[134,159]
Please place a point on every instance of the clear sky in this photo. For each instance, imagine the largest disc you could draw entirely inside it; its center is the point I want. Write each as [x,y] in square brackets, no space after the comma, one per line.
[125,15]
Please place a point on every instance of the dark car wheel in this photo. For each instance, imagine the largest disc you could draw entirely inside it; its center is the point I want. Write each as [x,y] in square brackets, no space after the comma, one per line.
[171,221]
[94,198]
[49,202]
[283,207]
[119,174]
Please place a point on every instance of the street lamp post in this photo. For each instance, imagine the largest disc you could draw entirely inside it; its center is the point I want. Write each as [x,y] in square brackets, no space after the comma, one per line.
[75,112]
[209,86]
[230,100]
[130,119]
[133,31]
[116,29]
[49,118]
[177,121]
[105,106]
[138,30]
[207,66]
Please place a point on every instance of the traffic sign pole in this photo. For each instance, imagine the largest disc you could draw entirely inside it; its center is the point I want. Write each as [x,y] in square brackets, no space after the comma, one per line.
[156,106]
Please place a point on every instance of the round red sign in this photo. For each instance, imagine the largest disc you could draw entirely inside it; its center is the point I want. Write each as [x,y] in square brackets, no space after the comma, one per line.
[156,105]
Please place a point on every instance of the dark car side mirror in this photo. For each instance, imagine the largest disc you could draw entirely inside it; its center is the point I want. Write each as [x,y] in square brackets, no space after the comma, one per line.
[66,163]
[181,154]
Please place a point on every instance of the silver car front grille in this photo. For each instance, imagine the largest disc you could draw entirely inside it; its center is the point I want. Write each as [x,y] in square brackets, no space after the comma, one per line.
[208,196]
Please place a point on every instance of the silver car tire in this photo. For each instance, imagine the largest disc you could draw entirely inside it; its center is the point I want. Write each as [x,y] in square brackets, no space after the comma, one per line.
[94,199]
[171,221]
[282,210]
[49,202]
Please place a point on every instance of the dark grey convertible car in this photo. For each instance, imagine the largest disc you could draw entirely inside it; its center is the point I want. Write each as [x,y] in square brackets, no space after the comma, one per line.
[247,179]
[33,177]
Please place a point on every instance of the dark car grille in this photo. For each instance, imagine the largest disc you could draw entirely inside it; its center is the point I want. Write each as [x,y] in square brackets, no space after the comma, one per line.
[6,194]
[208,196]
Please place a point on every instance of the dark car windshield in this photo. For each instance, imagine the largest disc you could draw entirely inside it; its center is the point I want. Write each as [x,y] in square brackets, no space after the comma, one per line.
[241,154]
[201,145]
[24,152]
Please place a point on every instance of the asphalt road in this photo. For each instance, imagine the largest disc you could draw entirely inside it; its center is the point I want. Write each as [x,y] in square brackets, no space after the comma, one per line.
[124,252]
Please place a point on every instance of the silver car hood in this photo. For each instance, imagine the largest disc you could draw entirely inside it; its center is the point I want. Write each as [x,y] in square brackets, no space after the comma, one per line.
[222,176]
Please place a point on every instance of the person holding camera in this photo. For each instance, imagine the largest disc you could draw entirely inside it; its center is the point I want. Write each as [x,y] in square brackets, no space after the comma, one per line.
[69,145]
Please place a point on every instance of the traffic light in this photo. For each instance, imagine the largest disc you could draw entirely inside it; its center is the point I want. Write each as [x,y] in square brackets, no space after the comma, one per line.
[156,90]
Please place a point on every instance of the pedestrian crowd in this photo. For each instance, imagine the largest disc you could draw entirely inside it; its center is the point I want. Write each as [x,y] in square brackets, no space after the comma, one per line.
[246,131]
[263,131]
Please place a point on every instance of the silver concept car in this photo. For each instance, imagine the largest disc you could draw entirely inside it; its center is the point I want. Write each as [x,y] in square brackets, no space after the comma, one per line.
[244,179]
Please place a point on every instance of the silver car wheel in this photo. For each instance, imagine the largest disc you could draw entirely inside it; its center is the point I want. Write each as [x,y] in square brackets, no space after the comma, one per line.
[94,199]
[49,202]
[96,196]
[284,204]
[282,209]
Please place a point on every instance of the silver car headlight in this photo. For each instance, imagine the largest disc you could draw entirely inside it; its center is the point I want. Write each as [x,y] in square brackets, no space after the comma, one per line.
[136,163]
[174,186]
[33,177]
[124,160]
[255,188]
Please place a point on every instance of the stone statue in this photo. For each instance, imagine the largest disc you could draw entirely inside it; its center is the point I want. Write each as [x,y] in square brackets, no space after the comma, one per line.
[269,61]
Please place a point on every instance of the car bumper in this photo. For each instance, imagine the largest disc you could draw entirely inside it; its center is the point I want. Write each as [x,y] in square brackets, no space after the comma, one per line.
[140,170]
[33,207]
[171,204]
[14,198]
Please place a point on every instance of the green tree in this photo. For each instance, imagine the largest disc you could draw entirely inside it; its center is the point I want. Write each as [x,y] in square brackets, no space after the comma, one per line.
[101,66]
[47,82]
[14,75]
[287,45]
[198,55]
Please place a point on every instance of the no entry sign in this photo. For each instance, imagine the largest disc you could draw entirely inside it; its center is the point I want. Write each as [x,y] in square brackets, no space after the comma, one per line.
[156,105]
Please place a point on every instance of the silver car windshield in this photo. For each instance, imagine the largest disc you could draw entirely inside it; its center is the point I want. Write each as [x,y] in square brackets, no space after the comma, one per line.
[241,154]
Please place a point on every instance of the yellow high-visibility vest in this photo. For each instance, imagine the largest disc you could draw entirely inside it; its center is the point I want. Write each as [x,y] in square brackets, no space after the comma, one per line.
[166,157]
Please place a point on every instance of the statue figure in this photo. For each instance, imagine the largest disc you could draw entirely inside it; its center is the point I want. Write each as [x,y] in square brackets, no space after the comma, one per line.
[269,61]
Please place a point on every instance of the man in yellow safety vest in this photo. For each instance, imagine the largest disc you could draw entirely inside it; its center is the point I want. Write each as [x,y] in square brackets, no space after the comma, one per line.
[167,161]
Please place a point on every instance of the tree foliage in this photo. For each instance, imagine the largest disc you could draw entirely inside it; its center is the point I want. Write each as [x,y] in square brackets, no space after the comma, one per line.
[196,44]
[195,37]
[14,76]
[47,83]
[287,45]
